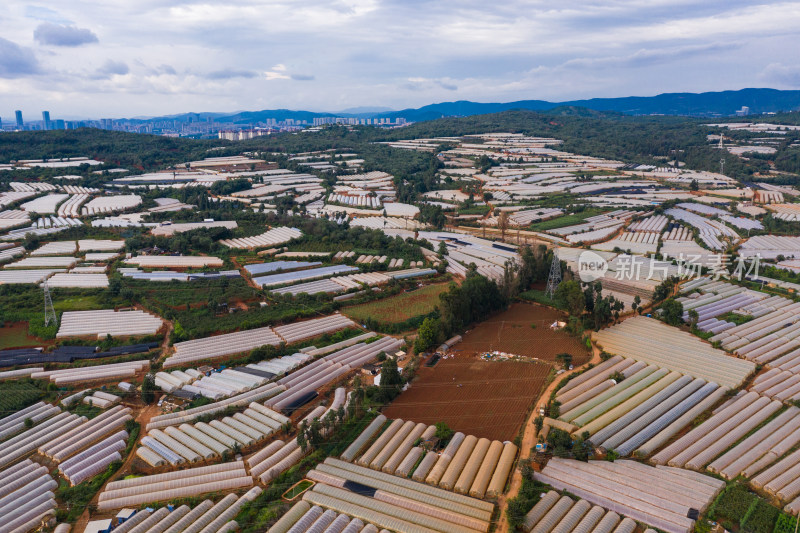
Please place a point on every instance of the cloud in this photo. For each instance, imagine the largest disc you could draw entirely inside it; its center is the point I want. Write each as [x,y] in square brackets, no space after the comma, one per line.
[228,73]
[426,84]
[784,74]
[16,61]
[302,77]
[45,13]
[646,57]
[51,34]
[278,72]
[166,70]
[111,68]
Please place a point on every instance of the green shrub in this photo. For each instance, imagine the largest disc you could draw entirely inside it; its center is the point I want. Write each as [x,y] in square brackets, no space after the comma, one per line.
[760,518]
[786,524]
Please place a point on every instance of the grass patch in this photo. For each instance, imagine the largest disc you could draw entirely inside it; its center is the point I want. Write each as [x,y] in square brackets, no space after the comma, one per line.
[539,297]
[16,336]
[82,409]
[19,394]
[786,523]
[297,489]
[736,318]
[732,505]
[529,495]
[400,307]
[760,518]
[76,499]
[474,210]
[566,220]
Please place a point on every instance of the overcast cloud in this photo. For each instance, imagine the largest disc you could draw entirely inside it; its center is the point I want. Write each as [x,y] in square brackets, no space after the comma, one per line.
[117,58]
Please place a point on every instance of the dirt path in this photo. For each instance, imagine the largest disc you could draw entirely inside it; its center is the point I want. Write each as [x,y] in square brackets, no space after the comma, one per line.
[529,440]
[143,418]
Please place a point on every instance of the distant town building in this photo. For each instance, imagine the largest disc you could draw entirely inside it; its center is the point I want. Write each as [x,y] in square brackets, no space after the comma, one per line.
[45,120]
[240,135]
[18,115]
[743,112]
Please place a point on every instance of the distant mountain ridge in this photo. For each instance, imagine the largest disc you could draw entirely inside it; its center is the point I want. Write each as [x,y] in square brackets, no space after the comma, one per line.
[723,103]
[708,104]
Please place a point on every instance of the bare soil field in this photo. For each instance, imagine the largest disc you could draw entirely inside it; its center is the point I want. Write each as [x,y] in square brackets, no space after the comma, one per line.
[482,398]
[512,332]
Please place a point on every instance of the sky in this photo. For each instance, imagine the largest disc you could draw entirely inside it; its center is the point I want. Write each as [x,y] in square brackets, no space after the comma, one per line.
[126,58]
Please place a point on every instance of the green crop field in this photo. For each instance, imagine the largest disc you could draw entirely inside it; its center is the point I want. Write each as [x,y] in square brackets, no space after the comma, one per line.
[400,307]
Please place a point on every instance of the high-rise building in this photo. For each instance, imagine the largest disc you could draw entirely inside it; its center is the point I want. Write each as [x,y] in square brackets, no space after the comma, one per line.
[59,124]
[18,114]
[45,120]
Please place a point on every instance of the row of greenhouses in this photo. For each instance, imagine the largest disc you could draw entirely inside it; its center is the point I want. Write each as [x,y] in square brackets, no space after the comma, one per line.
[208,440]
[781,383]
[207,516]
[27,497]
[750,436]
[239,401]
[653,342]
[663,497]
[467,465]
[191,482]
[363,499]
[731,422]
[68,376]
[625,405]
[242,341]
[272,237]
[108,322]
[302,385]
[275,458]
[554,513]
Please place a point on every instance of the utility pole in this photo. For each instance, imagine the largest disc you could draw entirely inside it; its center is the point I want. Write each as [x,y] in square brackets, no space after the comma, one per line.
[49,310]
[554,279]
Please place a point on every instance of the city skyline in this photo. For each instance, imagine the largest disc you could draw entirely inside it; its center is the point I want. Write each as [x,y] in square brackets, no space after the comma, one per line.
[91,59]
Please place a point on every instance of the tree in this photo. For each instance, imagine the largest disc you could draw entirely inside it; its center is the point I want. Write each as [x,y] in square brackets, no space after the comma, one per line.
[636,303]
[569,295]
[301,436]
[427,334]
[582,448]
[554,409]
[443,432]
[442,249]
[148,389]
[602,313]
[672,312]
[693,318]
[502,224]
[565,359]
[664,290]
[391,381]
[538,423]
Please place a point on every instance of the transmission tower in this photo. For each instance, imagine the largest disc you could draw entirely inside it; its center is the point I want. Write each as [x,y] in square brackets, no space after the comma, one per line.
[49,311]
[554,279]
[722,166]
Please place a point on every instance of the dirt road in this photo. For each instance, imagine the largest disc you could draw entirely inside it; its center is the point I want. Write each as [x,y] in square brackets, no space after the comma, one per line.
[529,440]
[143,418]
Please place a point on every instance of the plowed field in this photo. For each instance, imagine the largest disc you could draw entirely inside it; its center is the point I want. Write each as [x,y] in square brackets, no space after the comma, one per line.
[511,331]
[482,398]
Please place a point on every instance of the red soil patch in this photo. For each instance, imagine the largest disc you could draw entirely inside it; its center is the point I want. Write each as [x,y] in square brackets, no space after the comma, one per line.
[481,398]
[511,331]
